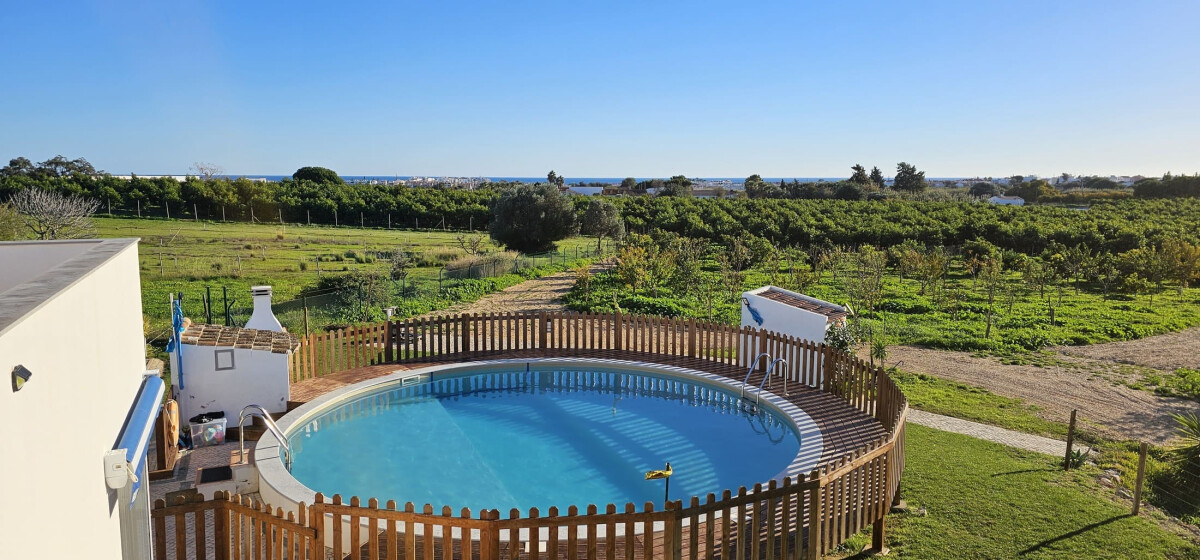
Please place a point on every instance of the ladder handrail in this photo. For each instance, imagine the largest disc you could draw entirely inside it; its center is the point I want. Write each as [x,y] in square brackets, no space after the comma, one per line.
[271,427]
[767,377]
[753,363]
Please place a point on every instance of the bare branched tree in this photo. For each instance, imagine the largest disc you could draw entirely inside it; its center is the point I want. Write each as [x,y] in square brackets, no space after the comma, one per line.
[50,215]
[206,171]
[473,244]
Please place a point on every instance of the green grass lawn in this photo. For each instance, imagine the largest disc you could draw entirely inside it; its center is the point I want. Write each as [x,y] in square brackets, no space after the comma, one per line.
[988,501]
[186,256]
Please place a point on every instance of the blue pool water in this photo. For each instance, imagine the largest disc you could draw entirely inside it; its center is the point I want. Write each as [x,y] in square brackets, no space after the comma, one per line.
[551,437]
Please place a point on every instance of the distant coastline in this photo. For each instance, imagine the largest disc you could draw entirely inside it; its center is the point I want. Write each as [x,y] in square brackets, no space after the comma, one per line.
[569,180]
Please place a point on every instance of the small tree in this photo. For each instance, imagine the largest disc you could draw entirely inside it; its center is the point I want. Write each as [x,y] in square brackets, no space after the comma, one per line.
[865,285]
[992,274]
[50,215]
[318,175]
[860,175]
[877,178]
[632,267]
[583,281]
[531,218]
[906,257]
[602,219]
[678,185]
[908,178]
[206,171]
[400,265]
[472,244]
[981,189]
[1182,262]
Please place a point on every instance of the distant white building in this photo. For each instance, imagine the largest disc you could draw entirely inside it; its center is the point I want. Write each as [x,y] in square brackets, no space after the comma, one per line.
[1007,200]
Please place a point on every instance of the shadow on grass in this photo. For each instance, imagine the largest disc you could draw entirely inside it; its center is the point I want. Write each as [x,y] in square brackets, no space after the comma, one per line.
[1026,471]
[1072,534]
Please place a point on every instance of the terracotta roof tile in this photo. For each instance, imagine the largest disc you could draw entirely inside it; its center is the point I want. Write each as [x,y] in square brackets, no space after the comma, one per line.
[832,312]
[217,335]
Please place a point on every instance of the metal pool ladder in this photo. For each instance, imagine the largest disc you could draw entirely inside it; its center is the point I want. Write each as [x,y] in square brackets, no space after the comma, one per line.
[767,378]
[751,370]
[252,410]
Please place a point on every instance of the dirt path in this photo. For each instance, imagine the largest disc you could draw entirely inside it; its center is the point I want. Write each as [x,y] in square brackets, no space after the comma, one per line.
[1072,382]
[1166,352]
[530,296]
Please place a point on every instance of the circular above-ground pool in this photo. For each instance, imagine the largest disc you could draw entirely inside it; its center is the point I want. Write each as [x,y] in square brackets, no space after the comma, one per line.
[541,433]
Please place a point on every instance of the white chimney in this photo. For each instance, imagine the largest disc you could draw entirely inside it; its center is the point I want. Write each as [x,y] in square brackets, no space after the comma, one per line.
[262,318]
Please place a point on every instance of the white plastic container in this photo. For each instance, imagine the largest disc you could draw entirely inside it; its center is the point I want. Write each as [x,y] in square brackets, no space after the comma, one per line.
[208,433]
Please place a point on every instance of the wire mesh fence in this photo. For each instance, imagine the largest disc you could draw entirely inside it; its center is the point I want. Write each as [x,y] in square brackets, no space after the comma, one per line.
[1173,485]
[345,299]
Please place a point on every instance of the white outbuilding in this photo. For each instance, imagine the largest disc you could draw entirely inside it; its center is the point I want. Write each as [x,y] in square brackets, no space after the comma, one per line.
[791,313]
[219,368]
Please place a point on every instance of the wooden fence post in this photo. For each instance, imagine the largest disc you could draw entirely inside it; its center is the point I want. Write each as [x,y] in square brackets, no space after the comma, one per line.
[389,339]
[316,522]
[464,332]
[827,368]
[673,533]
[691,337]
[542,330]
[815,517]
[1070,441]
[1141,477]
[879,528]
[220,525]
[618,331]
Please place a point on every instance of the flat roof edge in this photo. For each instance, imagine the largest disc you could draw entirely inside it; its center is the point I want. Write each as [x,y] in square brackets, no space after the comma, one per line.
[26,298]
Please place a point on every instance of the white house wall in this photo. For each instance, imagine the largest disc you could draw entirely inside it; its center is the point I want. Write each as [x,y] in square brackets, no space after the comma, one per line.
[784,319]
[259,377]
[86,350]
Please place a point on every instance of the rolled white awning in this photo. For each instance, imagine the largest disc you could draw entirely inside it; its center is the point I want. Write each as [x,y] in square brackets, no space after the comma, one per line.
[123,464]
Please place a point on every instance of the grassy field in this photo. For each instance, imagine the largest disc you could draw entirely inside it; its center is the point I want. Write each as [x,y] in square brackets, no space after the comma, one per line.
[987,501]
[186,256]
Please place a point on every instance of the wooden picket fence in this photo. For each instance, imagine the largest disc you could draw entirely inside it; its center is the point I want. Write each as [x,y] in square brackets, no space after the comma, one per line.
[802,517]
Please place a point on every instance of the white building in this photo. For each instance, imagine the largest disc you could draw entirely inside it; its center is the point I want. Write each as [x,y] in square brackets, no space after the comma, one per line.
[791,313]
[218,368]
[1007,200]
[71,342]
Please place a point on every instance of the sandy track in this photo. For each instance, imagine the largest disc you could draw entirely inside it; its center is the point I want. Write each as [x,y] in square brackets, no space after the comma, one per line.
[1087,385]
[530,296]
[1167,352]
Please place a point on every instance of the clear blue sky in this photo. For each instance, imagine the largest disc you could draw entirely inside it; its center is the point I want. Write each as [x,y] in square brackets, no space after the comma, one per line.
[801,88]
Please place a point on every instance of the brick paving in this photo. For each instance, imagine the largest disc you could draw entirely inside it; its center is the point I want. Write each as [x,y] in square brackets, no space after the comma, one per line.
[995,434]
